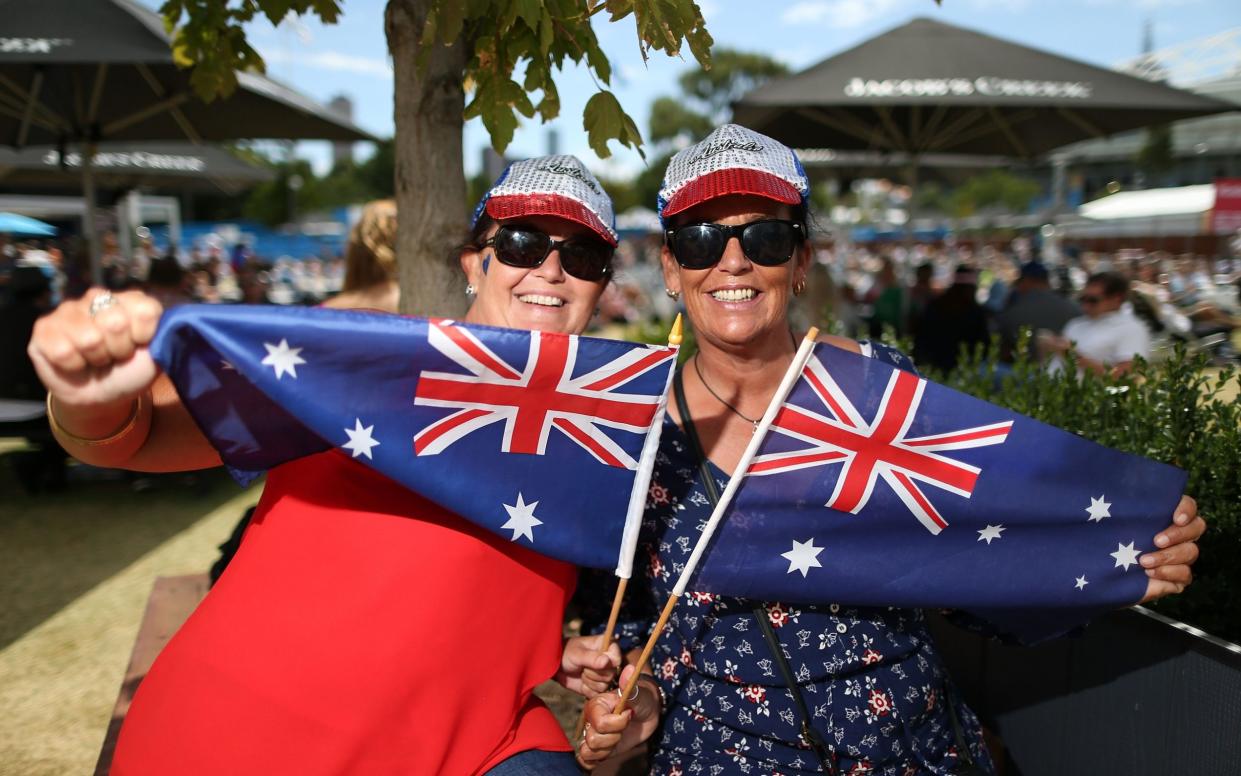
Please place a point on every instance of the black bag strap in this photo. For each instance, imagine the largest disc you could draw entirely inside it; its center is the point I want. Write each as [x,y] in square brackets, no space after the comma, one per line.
[809,735]
[967,766]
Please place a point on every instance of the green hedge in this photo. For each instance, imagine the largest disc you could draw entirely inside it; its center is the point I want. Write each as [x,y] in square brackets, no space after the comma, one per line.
[1178,411]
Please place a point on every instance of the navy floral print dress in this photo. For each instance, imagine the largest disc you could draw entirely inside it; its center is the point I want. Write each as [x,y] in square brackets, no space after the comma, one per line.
[872,678]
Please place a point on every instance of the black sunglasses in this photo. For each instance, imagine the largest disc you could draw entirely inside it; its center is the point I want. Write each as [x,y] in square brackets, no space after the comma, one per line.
[527,248]
[1089,299]
[770,242]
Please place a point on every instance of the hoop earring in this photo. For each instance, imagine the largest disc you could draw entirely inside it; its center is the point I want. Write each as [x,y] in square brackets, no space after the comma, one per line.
[470,290]
[673,295]
[799,287]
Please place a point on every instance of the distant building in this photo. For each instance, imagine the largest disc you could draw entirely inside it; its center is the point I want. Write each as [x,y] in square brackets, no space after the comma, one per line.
[342,151]
[492,163]
[1203,150]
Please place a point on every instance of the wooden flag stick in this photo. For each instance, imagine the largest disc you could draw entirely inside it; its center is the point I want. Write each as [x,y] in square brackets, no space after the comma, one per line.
[607,642]
[646,652]
[786,385]
[675,337]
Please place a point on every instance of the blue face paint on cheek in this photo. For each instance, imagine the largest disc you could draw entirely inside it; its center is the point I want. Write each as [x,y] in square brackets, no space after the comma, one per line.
[486,263]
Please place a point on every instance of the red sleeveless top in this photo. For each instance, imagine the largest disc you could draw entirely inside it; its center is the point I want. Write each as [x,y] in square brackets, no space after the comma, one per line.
[359,630]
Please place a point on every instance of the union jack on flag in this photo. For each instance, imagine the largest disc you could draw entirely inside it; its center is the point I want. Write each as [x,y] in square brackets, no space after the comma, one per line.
[881,447]
[540,396]
[545,439]
[1024,525]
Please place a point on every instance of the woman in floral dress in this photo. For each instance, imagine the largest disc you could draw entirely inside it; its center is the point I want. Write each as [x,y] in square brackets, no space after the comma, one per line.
[876,691]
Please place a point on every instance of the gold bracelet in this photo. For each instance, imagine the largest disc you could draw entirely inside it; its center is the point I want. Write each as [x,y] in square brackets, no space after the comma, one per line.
[130,424]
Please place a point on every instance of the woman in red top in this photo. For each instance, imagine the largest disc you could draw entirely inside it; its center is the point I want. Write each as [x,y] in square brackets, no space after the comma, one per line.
[360,629]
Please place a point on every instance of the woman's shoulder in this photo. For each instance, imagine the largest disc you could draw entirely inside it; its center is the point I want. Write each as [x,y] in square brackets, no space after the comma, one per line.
[877,350]
[844,343]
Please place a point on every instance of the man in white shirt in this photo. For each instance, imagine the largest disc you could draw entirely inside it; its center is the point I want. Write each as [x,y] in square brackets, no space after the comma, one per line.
[1107,337]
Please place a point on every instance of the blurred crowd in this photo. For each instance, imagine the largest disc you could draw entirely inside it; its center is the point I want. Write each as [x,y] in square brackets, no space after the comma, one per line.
[938,298]
[934,298]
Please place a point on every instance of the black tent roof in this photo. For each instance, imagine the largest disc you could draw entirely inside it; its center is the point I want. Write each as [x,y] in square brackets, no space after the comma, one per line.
[61,58]
[927,86]
[91,32]
[161,165]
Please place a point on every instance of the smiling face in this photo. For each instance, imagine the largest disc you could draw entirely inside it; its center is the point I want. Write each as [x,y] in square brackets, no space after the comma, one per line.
[545,298]
[736,304]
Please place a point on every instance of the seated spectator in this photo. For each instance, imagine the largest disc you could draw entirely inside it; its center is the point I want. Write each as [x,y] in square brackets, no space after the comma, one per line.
[42,465]
[1034,306]
[952,319]
[30,297]
[1108,337]
[887,299]
[370,261]
[920,295]
[167,282]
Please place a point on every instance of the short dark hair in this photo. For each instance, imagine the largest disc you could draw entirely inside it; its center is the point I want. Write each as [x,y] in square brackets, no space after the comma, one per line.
[165,272]
[1112,283]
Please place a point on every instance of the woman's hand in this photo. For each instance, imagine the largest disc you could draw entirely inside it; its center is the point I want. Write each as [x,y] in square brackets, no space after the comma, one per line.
[584,669]
[98,361]
[607,733]
[1169,567]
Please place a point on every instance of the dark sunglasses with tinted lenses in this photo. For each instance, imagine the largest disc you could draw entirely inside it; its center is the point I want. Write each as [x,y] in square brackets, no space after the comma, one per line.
[1089,299]
[527,248]
[770,242]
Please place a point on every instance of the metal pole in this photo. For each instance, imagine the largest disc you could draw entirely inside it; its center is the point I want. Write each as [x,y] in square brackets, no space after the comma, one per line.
[89,226]
[911,210]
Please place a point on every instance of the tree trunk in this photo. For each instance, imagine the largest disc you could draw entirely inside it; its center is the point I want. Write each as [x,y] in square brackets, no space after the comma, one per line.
[430,177]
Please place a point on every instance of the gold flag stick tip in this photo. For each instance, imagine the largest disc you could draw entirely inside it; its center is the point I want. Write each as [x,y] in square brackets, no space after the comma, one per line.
[813,334]
[674,336]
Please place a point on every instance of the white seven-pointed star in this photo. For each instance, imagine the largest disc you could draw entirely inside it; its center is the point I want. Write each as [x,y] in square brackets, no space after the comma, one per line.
[360,439]
[1098,509]
[803,557]
[1081,582]
[283,358]
[521,519]
[1125,556]
[990,532]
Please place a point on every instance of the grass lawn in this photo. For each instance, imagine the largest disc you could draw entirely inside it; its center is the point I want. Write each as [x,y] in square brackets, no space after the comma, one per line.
[79,566]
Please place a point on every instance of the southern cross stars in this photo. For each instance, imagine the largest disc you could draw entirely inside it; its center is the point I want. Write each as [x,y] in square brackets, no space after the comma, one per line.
[1081,582]
[521,519]
[990,532]
[1098,509]
[283,358]
[1125,556]
[360,439]
[803,557]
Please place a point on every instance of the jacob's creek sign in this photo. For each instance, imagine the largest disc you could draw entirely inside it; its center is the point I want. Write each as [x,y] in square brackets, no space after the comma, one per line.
[138,160]
[984,86]
[32,45]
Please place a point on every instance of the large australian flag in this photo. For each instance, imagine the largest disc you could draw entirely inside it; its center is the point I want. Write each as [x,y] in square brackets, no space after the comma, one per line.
[539,437]
[874,487]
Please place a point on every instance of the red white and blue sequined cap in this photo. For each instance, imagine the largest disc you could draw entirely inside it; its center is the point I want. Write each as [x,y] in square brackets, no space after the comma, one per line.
[732,160]
[558,186]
